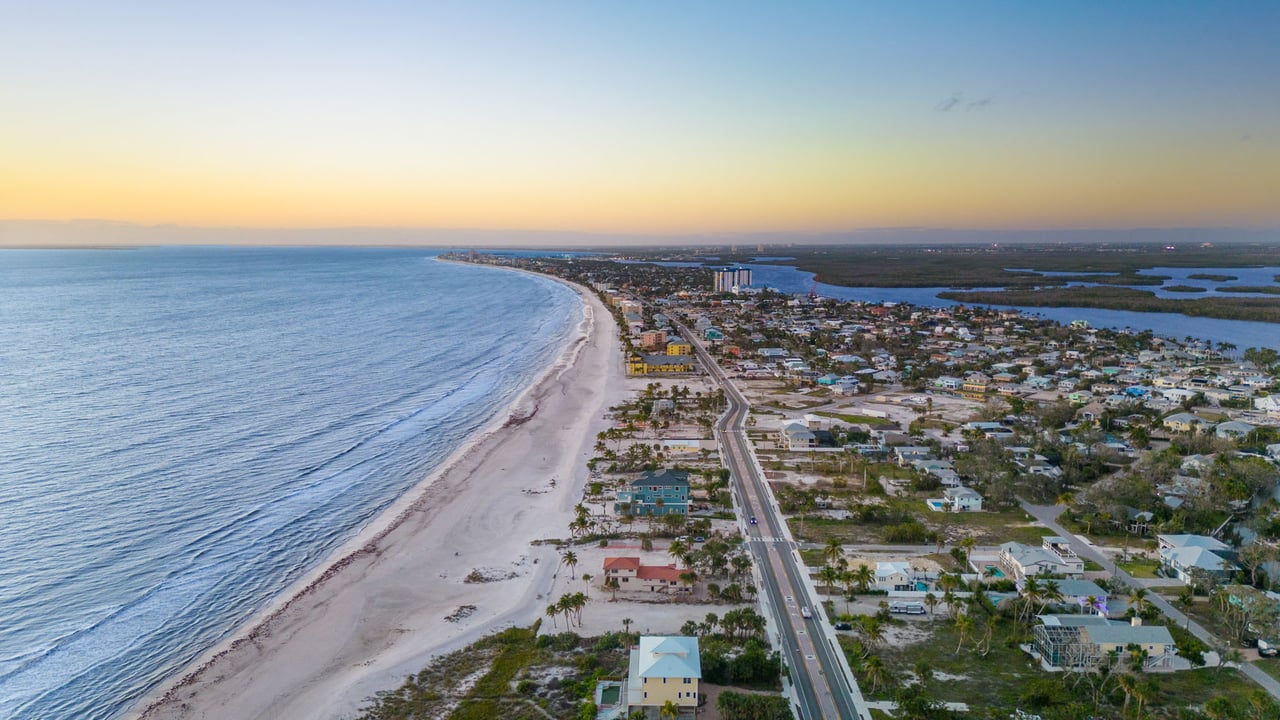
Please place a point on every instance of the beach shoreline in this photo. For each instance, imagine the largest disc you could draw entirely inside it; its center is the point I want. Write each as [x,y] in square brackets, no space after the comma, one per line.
[397,594]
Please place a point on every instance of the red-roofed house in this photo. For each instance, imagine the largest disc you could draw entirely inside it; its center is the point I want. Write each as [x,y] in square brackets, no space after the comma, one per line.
[654,578]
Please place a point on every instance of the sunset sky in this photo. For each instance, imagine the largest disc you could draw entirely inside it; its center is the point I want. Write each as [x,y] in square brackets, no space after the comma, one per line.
[642,117]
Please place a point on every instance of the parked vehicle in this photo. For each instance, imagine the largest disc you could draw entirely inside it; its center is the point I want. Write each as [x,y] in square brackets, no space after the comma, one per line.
[805,613]
[1267,648]
[906,608]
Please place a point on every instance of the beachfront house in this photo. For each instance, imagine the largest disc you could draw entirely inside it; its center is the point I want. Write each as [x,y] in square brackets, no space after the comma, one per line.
[663,669]
[631,574]
[655,492]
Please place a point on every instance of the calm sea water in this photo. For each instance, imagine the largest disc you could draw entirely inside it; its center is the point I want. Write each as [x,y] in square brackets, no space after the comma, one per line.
[185,431]
[1242,334]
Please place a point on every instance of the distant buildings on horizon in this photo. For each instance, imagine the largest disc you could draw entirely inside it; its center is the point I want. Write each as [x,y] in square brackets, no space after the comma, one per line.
[730,279]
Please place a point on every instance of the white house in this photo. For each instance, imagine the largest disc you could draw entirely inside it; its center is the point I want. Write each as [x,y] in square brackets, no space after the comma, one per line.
[1053,557]
[962,499]
[1191,555]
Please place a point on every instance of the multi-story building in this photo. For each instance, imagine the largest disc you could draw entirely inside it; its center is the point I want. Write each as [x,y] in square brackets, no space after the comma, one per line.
[655,492]
[664,669]
[732,279]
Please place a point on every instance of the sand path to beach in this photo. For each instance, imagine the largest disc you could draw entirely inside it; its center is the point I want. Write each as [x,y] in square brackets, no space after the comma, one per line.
[379,611]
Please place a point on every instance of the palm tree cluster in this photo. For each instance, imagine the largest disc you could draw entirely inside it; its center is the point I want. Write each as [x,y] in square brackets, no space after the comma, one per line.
[570,605]
[1037,596]
[836,571]
[736,626]
[717,558]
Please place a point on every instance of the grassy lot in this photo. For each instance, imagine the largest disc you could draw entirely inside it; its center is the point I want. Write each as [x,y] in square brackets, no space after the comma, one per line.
[988,528]
[814,557]
[853,419]
[1006,678]
[512,668]
[996,679]
[1139,567]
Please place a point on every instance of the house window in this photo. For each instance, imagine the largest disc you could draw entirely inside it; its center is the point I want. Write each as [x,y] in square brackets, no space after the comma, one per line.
[687,681]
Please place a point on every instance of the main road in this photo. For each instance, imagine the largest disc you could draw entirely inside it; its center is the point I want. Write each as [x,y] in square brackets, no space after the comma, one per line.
[822,684]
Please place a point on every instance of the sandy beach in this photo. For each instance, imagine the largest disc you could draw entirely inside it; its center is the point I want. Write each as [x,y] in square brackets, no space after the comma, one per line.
[397,595]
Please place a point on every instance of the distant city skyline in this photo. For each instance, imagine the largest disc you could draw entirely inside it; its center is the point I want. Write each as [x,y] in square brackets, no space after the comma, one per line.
[395,122]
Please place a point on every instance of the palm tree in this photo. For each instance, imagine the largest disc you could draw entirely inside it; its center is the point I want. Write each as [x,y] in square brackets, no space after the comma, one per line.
[932,601]
[1031,593]
[1184,602]
[969,543]
[613,586]
[586,579]
[1138,600]
[1128,684]
[626,625]
[877,674]
[829,576]
[1052,593]
[923,671]
[951,601]
[688,578]
[872,630]
[863,577]
[964,625]
[677,549]
[569,559]
[833,551]
[552,611]
[1090,602]
[669,710]
[1146,689]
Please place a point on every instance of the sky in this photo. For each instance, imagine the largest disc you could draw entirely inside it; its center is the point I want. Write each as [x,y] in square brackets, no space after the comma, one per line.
[642,118]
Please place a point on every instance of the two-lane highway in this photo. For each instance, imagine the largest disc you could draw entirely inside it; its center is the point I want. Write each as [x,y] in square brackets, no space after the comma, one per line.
[822,684]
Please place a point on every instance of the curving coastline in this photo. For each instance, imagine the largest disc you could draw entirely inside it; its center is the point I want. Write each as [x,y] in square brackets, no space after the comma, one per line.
[388,600]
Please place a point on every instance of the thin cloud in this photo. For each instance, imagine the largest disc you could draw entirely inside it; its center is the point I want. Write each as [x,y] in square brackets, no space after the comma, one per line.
[958,100]
[951,102]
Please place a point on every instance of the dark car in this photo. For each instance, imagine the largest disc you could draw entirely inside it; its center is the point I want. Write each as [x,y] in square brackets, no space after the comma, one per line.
[843,626]
[753,521]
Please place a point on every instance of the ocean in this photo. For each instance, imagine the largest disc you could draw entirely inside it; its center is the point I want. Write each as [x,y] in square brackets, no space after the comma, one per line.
[185,431]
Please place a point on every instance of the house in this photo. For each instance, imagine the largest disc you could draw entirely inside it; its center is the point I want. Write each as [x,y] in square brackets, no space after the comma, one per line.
[1234,430]
[797,436]
[895,576]
[1183,422]
[1082,595]
[962,499]
[655,492]
[907,454]
[632,575]
[1189,556]
[1053,557]
[1083,642]
[663,669]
